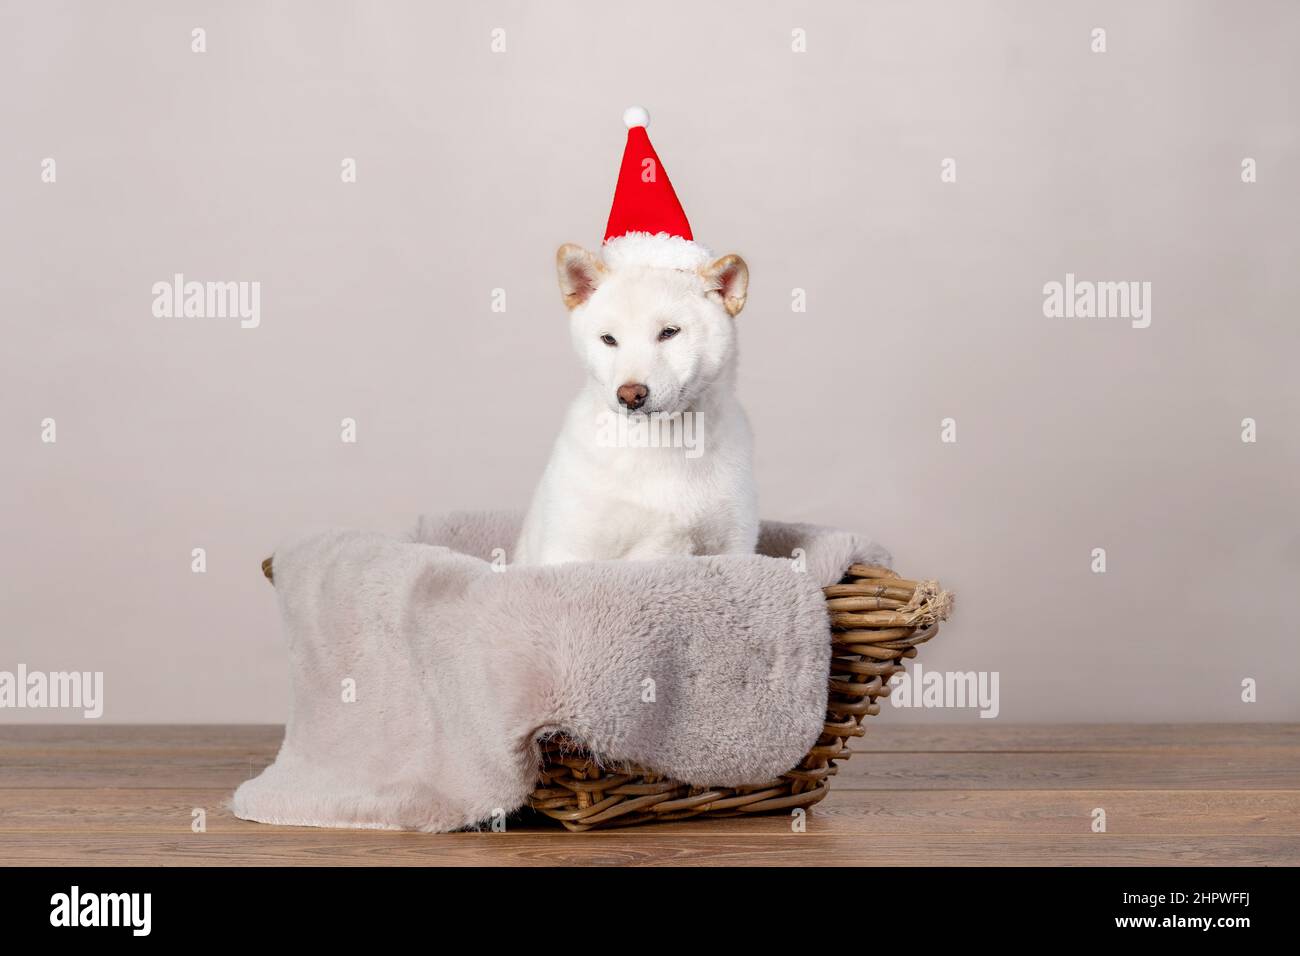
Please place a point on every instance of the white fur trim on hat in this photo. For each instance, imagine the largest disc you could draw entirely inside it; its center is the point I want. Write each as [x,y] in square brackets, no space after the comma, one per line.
[661,251]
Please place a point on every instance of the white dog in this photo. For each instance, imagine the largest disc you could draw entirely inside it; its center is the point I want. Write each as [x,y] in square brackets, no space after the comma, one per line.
[655,455]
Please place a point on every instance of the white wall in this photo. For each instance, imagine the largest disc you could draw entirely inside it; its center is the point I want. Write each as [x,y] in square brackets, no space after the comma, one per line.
[823,169]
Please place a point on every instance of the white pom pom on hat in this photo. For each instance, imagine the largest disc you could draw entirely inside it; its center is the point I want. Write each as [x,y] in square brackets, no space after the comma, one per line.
[635,116]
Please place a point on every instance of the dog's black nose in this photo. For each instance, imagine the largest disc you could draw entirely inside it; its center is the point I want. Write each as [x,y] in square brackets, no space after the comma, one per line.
[632,395]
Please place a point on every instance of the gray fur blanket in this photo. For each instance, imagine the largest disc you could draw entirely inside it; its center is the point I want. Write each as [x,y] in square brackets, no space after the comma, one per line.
[425,669]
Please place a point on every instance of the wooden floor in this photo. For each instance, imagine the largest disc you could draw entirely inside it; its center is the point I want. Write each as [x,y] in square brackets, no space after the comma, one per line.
[915,795]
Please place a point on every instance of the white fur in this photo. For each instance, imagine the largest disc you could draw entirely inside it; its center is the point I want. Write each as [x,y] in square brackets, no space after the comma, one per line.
[597,502]
[662,251]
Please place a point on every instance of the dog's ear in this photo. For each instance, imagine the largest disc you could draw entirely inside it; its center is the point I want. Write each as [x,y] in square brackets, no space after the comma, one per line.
[579,273]
[728,279]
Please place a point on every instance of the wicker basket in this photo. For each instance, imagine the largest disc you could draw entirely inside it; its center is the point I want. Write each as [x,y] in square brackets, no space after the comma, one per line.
[877,620]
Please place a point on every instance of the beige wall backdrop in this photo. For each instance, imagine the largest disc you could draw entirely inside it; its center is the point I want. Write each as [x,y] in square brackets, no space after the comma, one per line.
[822,168]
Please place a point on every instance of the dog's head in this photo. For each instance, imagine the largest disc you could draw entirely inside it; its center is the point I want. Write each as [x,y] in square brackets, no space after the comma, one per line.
[653,339]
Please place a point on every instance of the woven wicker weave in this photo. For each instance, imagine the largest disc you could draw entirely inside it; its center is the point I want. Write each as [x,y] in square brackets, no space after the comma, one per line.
[877,621]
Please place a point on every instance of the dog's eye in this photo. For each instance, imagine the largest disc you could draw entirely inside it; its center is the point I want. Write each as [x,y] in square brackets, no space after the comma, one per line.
[668,333]
[609,340]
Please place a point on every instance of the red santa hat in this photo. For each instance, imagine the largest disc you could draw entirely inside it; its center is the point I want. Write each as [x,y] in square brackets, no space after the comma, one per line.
[647,225]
